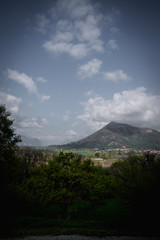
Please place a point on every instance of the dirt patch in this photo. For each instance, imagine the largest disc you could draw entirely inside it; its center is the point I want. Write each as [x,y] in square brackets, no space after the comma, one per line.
[104,163]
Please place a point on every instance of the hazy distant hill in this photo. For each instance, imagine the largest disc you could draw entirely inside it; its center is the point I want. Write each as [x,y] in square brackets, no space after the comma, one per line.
[117,135]
[30,142]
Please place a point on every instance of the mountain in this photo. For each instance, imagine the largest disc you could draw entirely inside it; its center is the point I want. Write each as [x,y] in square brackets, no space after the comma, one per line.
[30,142]
[117,135]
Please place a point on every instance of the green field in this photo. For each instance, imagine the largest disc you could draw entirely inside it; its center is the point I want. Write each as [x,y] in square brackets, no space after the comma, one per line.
[79,152]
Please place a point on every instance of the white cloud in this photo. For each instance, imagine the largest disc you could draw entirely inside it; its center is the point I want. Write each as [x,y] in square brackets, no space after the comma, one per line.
[78,29]
[66,137]
[41,79]
[90,93]
[135,107]
[75,8]
[42,23]
[24,80]
[92,68]
[114,30]
[89,69]
[70,134]
[66,36]
[12,103]
[23,122]
[112,44]
[50,139]
[44,98]
[67,116]
[88,31]
[27,82]
[75,50]
[116,76]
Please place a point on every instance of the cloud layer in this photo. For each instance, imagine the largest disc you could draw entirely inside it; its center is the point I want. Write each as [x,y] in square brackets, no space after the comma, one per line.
[93,67]
[22,123]
[12,103]
[112,44]
[117,76]
[89,69]
[27,82]
[67,136]
[136,107]
[78,32]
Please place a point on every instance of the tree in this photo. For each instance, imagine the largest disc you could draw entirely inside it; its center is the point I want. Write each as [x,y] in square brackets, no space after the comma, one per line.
[97,154]
[8,137]
[68,180]
[8,142]
[9,167]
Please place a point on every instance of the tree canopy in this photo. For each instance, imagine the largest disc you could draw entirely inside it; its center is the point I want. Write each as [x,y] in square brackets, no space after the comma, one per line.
[8,137]
[8,143]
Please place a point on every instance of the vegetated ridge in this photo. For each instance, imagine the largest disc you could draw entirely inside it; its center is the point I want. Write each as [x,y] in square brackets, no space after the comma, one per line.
[117,135]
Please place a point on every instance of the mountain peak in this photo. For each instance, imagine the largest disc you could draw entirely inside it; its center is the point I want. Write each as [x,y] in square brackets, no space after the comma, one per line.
[114,124]
[122,129]
[118,135]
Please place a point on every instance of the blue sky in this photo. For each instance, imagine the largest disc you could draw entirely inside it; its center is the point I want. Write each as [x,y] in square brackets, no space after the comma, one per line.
[69,67]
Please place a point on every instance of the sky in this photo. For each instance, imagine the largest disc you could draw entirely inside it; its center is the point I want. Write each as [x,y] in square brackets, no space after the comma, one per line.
[69,67]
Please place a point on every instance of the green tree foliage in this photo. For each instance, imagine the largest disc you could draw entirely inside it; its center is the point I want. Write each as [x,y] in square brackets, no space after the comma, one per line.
[9,167]
[138,181]
[70,179]
[8,137]
[136,175]
[67,180]
[8,143]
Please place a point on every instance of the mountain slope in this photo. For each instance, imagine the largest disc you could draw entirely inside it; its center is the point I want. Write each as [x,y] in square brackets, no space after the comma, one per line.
[30,142]
[118,135]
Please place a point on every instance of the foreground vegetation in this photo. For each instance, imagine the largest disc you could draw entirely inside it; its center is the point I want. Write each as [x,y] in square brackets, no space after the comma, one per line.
[71,195]
[48,193]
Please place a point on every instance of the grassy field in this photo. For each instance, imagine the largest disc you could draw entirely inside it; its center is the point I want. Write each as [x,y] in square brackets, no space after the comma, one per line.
[83,153]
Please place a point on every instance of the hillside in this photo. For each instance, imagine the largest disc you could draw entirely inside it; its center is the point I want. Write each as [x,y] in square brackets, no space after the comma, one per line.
[30,142]
[117,135]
